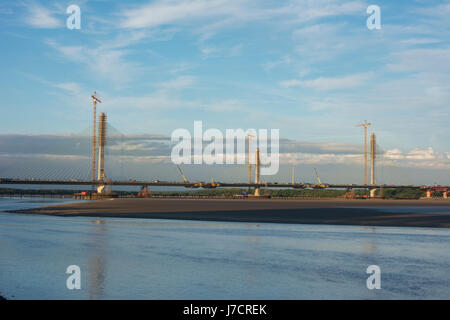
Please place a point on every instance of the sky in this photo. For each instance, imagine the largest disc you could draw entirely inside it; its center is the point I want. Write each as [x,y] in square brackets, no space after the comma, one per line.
[311,69]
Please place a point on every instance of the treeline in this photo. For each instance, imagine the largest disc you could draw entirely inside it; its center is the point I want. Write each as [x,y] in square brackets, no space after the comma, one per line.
[227,192]
[315,193]
[307,193]
[230,192]
[285,193]
[56,192]
[403,193]
[11,191]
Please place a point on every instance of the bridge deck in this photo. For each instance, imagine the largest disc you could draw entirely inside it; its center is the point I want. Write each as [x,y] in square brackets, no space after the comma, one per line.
[207,184]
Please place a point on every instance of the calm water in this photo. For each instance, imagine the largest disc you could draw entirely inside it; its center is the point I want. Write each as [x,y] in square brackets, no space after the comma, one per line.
[165,259]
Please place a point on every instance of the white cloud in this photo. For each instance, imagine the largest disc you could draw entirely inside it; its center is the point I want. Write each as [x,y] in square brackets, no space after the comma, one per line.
[419,154]
[225,106]
[160,100]
[417,158]
[291,83]
[170,12]
[71,87]
[208,51]
[437,14]
[394,154]
[319,159]
[420,41]
[320,42]
[311,10]
[41,17]
[230,12]
[325,84]
[178,83]
[285,60]
[103,61]
[421,60]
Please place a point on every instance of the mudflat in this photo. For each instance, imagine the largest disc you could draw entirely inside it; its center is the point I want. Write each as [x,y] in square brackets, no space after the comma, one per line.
[432,213]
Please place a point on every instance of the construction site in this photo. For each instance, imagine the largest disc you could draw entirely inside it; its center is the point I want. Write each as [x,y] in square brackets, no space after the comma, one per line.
[102,186]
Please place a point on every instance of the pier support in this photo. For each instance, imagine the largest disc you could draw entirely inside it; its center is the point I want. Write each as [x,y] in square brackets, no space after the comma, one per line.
[145,192]
[258,163]
[101,151]
[428,192]
[445,194]
[101,189]
[372,192]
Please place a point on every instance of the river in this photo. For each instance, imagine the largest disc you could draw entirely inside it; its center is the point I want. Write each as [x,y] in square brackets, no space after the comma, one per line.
[167,259]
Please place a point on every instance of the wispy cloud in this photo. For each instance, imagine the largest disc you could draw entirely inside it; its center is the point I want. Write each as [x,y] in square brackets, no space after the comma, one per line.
[180,82]
[325,84]
[170,12]
[420,41]
[437,14]
[109,62]
[435,60]
[41,17]
[71,87]
[223,13]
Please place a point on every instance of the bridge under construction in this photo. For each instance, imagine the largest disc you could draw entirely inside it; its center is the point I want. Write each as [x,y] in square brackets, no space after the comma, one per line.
[429,190]
[102,186]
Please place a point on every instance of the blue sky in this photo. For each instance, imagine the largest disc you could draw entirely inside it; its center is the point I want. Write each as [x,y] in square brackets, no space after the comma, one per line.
[309,68]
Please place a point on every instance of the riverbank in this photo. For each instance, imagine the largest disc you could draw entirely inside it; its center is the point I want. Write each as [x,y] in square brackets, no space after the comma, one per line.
[433,214]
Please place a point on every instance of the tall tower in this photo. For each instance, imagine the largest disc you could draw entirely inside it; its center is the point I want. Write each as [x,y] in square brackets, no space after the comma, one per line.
[94,101]
[249,157]
[258,163]
[101,146]
[365,124]
[372,158]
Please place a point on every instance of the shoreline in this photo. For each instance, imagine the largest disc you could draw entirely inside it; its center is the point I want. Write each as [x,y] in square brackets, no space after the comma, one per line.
[331,212]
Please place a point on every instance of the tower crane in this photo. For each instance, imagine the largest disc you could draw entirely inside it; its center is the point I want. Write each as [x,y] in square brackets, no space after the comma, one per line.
[182,174]
[320,185]
[365,124]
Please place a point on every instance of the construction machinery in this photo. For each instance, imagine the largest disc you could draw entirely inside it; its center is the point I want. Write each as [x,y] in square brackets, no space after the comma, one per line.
[190,185]
[319,184]
[211,185]
[182,174]
[194,185]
